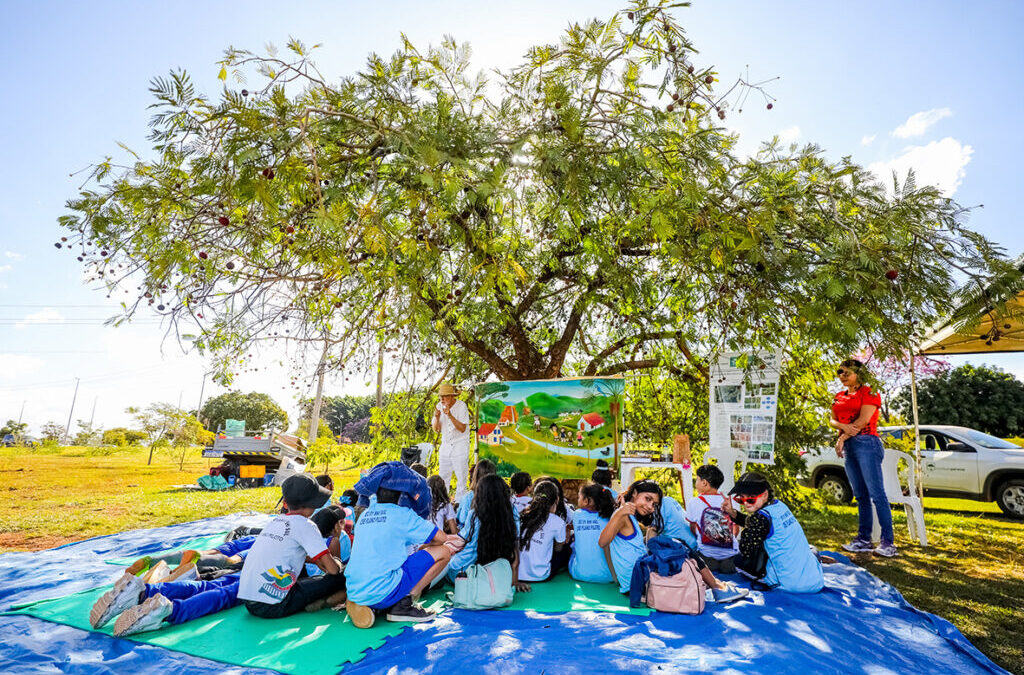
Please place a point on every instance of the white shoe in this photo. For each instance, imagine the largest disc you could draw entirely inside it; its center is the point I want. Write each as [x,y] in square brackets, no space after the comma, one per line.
[147,616]
[124,594]
[157,573]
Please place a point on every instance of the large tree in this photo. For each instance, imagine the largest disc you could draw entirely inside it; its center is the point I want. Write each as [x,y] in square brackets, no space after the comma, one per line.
[259,411]
[581,213]
[980,397]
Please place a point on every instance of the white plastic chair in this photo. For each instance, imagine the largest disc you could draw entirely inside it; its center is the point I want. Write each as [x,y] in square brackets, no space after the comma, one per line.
[894,492]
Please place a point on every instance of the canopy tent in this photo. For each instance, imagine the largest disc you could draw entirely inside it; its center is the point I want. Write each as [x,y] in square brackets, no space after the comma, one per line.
[984,333]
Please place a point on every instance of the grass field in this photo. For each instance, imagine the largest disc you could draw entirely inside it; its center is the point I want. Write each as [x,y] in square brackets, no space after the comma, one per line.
[972,574]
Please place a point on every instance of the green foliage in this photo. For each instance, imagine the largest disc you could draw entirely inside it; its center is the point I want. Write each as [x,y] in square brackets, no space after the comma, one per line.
[115,437]
[14,428]
[53,432]
[980,397]
[322,430]
[587,216]
[339,411]
[323,451]
[86,435]
[259,411]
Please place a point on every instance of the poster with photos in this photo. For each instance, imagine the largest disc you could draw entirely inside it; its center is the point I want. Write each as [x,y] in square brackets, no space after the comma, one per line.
[744,403]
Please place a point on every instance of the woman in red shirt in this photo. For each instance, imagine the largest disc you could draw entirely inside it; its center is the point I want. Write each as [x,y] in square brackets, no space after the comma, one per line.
[855,415]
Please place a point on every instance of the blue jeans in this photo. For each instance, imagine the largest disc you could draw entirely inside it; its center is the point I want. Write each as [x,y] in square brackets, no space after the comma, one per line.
[864,470]
[193,599]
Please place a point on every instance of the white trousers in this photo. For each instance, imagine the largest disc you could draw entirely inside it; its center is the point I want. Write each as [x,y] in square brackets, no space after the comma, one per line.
[454,459]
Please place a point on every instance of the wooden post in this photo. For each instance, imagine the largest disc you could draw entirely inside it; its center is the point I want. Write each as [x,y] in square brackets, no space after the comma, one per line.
[681,455]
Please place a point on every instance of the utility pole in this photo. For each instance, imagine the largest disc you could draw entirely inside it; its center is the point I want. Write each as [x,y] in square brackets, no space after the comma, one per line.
[314,417]
[92,417]
[22,410]
[67,429]
[202,389]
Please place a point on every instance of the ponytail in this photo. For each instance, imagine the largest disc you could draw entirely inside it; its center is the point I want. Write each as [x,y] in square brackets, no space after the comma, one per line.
[601,498]
[545,495]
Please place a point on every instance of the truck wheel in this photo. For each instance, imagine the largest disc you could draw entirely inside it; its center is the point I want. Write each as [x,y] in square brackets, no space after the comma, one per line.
[837,487]
[1010,498]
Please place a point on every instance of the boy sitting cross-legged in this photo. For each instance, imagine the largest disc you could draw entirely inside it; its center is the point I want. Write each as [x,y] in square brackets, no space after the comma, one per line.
[270,583]
[380,574]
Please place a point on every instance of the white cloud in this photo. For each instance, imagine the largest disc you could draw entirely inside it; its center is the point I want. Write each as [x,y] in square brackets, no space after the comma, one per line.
[868,140]
[918,123]
[48,315]
[5,268]
[13,256]
[16,366]
[789,135]
[940,163]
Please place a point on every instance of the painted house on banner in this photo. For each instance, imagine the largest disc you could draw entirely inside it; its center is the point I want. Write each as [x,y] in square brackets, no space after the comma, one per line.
[509,416]
[489,434]
[589,422]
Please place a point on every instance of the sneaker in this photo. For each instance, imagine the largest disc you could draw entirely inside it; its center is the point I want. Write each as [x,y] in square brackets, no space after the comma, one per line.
[125,593]
[361,615]
[147,616]
[858,545]
[157,573]
[139,566]
[186,569]
[238,533]
[732,593]
[885,549]
[408,611]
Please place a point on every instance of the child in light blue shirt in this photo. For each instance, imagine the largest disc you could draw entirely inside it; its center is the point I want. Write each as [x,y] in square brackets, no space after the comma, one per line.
[588,561]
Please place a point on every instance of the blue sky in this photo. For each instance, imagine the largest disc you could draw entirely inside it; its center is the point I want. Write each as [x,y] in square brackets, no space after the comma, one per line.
[934,85]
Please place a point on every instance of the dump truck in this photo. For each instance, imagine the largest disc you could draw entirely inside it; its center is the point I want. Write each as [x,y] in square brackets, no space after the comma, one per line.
[251,456]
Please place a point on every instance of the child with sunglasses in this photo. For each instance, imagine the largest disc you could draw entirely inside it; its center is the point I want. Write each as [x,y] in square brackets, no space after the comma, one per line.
[773,546]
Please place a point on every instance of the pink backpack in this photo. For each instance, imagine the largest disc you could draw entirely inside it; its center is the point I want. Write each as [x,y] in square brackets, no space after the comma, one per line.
[681,593]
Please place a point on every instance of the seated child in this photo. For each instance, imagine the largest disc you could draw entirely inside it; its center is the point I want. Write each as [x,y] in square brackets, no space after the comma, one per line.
[541,534]
[563,509]
[484,467]
[641,503]
[710,523]
[520,483]
[420,469]
[270,583]
[773,546]
[325,482]
[380,574]
[442,513]
[588,561]
[175,602]
[603,476]
[674,523]
[491,532]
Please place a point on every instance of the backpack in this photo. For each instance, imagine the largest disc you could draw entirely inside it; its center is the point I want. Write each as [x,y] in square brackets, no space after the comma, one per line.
[681,593]
[715,526]
[484,586]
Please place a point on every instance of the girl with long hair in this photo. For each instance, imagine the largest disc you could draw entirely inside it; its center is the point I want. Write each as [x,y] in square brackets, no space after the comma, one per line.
[442,513]
[490,532]
[588,562]
[541,533]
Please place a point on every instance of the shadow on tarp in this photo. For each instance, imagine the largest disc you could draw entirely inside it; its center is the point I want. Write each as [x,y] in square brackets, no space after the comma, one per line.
[858,624]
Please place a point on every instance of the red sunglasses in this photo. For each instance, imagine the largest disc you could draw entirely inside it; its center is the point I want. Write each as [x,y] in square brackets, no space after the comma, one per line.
[748,499]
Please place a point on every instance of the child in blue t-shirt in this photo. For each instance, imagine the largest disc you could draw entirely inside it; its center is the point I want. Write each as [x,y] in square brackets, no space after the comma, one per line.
[381,575]
[588,561]
[484,467]
[602,475]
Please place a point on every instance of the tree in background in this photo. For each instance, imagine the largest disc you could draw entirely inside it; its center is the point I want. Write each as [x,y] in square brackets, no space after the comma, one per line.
[14,428]
[186,433]
[338,411]
[892,375]
[259,411]
[52,431]
[980,397]
[87,434]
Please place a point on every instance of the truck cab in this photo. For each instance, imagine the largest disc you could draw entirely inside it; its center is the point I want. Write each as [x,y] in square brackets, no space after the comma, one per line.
[251,455]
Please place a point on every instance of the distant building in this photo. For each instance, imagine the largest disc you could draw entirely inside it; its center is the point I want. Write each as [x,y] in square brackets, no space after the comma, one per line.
[590,422]
[489,434]
[509,416]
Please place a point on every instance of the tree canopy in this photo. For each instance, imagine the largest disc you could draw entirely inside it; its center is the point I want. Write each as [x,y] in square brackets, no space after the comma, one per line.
[259,411]
[980,397]
[583,213]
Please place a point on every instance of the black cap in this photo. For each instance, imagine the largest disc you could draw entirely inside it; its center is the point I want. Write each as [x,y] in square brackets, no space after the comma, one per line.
[750,483]
[301,491]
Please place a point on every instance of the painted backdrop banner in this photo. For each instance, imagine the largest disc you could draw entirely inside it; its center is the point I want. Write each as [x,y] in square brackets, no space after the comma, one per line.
[557,428]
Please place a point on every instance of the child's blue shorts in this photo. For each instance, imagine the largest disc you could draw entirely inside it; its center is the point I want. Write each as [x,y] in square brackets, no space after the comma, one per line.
[413,569]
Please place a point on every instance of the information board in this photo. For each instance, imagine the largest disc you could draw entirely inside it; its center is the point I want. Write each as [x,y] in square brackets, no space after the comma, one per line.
[744,401]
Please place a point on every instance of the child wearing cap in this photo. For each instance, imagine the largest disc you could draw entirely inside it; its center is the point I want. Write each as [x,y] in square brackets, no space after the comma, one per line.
[773,546]
[270,583]
[381,575]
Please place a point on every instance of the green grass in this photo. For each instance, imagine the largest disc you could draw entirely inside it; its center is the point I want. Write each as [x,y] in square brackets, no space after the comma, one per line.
[972,574]
[52,496]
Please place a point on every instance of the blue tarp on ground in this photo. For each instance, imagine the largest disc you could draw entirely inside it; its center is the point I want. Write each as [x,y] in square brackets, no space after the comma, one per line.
[858,625]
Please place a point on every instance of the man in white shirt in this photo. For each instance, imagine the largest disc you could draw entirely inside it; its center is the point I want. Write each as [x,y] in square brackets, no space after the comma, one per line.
[451,420]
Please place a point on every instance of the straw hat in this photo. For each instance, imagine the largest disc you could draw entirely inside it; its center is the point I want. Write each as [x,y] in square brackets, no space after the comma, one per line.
[447,390]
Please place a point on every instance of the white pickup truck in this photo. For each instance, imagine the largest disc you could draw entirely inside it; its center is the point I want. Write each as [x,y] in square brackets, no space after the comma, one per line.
[955,462]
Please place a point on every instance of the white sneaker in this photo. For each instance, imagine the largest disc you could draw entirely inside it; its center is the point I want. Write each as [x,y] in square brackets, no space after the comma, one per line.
[147,616]
[157,573]
[124,594]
